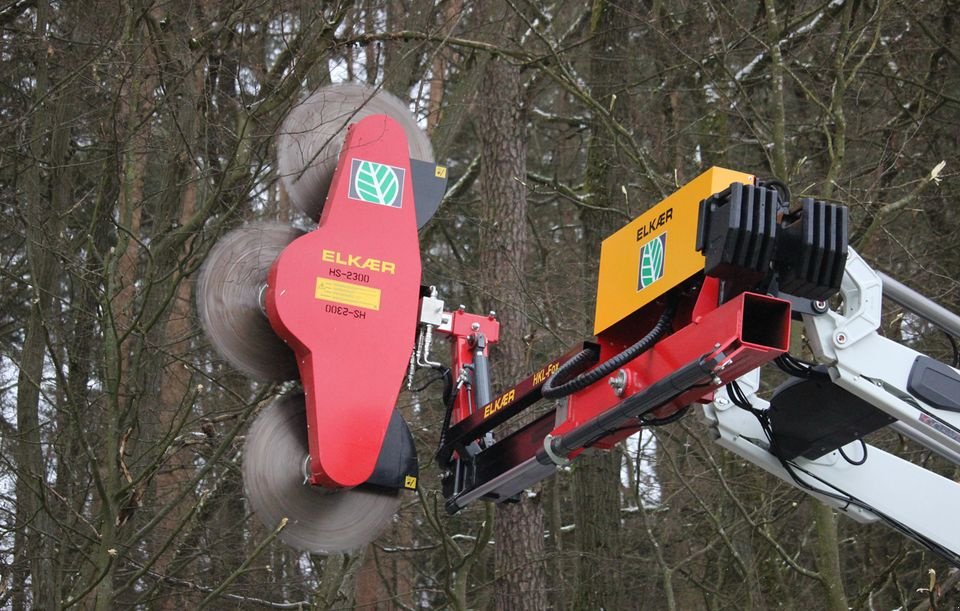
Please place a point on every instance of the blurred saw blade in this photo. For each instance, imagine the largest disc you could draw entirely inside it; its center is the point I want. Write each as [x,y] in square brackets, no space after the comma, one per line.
[320,520]
[313,132]
[229,297]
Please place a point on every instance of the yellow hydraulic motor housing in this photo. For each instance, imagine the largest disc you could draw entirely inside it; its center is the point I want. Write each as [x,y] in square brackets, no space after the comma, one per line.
[655,251]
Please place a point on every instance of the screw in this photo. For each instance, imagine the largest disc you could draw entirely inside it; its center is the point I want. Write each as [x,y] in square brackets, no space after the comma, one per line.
[722,401]
[840,338]
[618,382]
[819,306]
[492,315]
[475,326]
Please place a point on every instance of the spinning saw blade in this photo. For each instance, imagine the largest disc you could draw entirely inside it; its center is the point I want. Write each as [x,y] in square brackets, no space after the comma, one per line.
[321,520]
[229,300]
[311,136]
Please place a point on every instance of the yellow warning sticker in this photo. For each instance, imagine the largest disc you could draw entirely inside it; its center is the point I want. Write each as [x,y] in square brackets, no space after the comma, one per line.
[348,294]
[410,482]
[440,172]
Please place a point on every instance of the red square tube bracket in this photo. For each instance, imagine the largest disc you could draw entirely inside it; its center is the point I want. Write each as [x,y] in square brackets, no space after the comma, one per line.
[748,331]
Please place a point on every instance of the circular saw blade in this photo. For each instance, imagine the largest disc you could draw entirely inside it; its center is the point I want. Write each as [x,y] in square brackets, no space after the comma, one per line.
[229,293]
[320,520]
[312,134]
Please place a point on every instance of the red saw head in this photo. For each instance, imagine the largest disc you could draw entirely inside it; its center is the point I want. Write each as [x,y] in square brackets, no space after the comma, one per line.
[345,297]
[339,305]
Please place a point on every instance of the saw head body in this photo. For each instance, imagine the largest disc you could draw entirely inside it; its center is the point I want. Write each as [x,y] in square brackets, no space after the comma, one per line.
[338,306]
[309,145]
[345,297]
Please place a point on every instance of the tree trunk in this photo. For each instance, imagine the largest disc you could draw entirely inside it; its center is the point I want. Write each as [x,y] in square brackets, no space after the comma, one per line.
[33,552]
[597,476]
[827,552]
[521,575]
[118,304]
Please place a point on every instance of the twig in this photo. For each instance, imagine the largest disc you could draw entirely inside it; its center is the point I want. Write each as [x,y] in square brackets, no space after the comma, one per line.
[246,563]
[884,212]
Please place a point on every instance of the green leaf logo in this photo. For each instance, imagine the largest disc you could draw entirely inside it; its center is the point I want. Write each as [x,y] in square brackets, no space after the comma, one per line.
[376,183]
[651,261]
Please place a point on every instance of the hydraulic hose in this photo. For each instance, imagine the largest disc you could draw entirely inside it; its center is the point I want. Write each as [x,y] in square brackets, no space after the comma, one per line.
[558,385]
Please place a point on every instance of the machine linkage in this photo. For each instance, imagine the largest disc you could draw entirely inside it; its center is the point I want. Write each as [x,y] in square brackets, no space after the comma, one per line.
[701,338]
[693,298]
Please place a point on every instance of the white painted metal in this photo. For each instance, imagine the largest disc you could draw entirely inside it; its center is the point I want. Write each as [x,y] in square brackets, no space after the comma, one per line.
[915,500]
[885,487]
[875,368]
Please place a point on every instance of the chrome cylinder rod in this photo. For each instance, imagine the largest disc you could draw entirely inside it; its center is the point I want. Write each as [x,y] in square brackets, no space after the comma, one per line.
[922,306]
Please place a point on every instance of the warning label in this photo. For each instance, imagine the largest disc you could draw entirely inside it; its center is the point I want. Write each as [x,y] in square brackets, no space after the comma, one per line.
[348,294]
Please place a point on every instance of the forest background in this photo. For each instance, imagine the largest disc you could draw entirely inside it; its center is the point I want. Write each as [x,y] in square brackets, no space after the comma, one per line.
[136,133]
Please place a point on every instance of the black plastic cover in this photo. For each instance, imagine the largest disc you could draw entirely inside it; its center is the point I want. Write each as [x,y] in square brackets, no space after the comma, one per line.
[812,250]
[736,233]
[429,186]
[935,383]
[397,465]
[811,417]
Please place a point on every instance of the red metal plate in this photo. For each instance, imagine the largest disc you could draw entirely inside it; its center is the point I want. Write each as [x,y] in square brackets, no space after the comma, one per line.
[345,298]
[749,330]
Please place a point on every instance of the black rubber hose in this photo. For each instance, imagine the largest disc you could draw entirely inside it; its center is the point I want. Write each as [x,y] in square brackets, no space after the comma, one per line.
[577,363]
[449,396]
[779,185]
[677,415]
[556,388]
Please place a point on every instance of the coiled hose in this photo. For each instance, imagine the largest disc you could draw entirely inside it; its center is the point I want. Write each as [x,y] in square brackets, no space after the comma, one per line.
[558,385]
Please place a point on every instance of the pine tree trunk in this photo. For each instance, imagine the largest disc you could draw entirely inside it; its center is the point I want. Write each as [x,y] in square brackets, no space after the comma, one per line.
[33,552]
[521,575]
[597,477]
